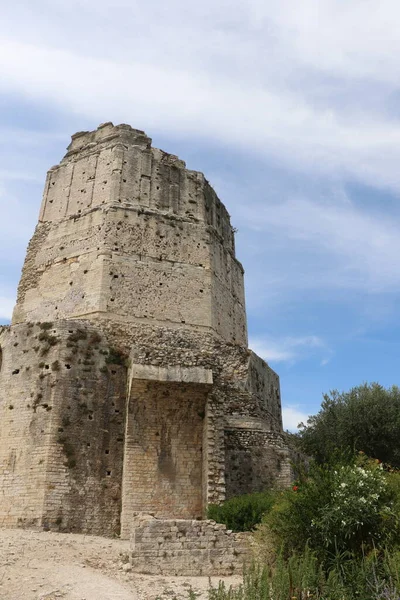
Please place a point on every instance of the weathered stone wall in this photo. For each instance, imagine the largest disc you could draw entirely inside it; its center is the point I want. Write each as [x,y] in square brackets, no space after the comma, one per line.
[163,452]
[116,212]
[62,421]
[255,460]
[187,547]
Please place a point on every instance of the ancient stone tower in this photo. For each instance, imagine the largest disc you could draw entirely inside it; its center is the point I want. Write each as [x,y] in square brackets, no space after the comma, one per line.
[126,383]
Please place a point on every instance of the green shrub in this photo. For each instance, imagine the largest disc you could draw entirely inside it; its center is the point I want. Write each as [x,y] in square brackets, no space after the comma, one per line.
[350,508]
[242,513]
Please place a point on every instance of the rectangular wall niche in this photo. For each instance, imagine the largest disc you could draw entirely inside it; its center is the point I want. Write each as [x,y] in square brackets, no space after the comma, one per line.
[163,460]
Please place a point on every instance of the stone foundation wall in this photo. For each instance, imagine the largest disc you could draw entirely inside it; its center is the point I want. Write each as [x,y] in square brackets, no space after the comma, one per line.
[188,548]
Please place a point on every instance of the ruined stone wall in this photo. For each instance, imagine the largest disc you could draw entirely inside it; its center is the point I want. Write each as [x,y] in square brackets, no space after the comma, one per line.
[61,429]
[130,319]
[187,547]
[24,431]
[255,460]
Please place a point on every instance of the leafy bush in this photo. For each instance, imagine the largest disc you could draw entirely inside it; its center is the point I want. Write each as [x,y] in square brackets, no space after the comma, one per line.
[242,513]
[347,509]
[367,418]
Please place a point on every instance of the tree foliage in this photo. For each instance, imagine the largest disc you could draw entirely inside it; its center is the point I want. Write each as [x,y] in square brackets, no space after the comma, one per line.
[367,419]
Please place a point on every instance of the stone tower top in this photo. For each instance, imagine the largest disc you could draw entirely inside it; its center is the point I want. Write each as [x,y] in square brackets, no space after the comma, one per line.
[127,233]
[105,133]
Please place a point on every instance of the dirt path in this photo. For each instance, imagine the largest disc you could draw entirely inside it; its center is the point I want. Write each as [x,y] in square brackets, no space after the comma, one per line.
[47,566]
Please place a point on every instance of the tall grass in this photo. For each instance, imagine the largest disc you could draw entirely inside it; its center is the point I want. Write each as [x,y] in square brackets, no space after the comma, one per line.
[301,577]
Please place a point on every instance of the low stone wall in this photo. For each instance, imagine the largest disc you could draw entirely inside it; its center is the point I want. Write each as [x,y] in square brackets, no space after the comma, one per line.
[187,547]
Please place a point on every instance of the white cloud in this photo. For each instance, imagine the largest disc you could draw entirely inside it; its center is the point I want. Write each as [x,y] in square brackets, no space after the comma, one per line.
[292,416]
[265,78]
[359,249]
[287,349]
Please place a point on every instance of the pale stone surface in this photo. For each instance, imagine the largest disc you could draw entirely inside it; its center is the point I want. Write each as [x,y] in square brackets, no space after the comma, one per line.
[187,547]
[126,383]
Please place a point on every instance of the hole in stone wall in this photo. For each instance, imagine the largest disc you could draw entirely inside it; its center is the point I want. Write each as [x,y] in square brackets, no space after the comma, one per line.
[68,366]
[108,473]
[90,417]
[15,372]
[107,452]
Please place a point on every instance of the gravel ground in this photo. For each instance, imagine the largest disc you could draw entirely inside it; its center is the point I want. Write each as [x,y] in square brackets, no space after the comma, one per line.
[47,566]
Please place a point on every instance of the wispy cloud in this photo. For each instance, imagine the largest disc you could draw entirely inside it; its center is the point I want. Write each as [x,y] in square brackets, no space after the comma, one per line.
[289,349]
[347,246]
[254,76]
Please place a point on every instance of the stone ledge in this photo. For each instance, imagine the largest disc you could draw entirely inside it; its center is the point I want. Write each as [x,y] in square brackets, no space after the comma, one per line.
[177,374]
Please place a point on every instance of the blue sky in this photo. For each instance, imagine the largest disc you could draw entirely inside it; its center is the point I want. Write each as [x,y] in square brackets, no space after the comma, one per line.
[292,110]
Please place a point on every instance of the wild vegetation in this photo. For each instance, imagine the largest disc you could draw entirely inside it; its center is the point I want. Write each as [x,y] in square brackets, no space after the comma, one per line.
[336,534]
